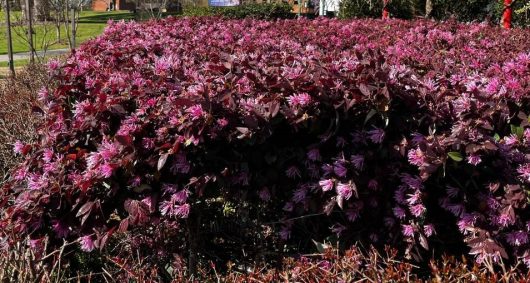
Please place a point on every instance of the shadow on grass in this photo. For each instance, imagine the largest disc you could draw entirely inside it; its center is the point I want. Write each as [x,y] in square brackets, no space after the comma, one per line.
[103,17]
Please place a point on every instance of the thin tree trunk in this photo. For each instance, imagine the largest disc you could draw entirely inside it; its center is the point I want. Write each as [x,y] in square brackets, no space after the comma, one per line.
[428,8]
[194,224]
[29,19]
[73,29]
[9,39]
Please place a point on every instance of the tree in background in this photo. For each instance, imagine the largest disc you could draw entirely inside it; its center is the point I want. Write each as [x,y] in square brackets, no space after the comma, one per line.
[403,9]
[428,8]
[41,9]
[462,10]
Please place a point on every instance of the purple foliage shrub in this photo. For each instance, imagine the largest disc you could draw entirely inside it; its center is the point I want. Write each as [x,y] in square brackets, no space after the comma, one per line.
[414,134]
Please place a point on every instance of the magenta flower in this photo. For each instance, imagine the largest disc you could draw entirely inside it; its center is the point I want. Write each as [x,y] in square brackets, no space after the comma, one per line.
[60,229]
[414,198]
[195,112]
[327,169]
[47,155]
[148,143]
[106,170]
[292,73]
[223,122]
[462,104]
[417,210]
[399,212]
[301,99]
[180,196]
[182,211]
[505,220]
[285,233]
[416,157]
[428,230]
[493,86]
[313,154]
[339,169]
[517,238]
[18,147]
[399,194]
[37,182]
[474,159]
[53,64]
[21,173]
[524,171]
[108,150]
[43,95]
[511,140]
[49,168]
[407,230]
[264,194]
[358,161]
[376,135]
[87,244]
[93,160]
[345,190]
[326,185]
[411,181]
[417,138]
[162,65]
[466,222]
[456,209]
[299,195]
[352,214]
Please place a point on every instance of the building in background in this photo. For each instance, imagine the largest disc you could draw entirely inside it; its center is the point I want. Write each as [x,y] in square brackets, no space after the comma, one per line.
[113,5]
[223,3]
[328,7]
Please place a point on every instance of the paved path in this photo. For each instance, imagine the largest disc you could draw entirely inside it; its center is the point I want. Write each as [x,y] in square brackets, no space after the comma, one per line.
[25,55]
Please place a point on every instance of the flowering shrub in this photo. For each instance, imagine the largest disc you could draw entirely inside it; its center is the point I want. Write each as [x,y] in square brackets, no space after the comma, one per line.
[214,139]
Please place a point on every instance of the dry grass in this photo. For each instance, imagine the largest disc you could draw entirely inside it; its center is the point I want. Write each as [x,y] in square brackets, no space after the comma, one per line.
[17,122]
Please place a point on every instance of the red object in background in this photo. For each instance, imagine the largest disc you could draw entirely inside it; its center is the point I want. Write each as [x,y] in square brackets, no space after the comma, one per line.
[507,14]
[385,9]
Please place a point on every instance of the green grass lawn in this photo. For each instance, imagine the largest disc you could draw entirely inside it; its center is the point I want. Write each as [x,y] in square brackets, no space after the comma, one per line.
[91,24]
[17,63]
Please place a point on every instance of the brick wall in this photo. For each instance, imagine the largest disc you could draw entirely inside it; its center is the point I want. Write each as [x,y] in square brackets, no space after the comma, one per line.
[100,5]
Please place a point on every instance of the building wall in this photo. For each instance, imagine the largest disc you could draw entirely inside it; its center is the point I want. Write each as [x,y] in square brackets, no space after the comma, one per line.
[103,5]
[99,5]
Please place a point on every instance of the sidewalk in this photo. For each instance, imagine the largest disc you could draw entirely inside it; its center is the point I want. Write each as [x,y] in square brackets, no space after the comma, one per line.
[25,55]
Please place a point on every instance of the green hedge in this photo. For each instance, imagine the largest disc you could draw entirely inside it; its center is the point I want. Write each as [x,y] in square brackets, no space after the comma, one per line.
[257,11]
[403,9]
